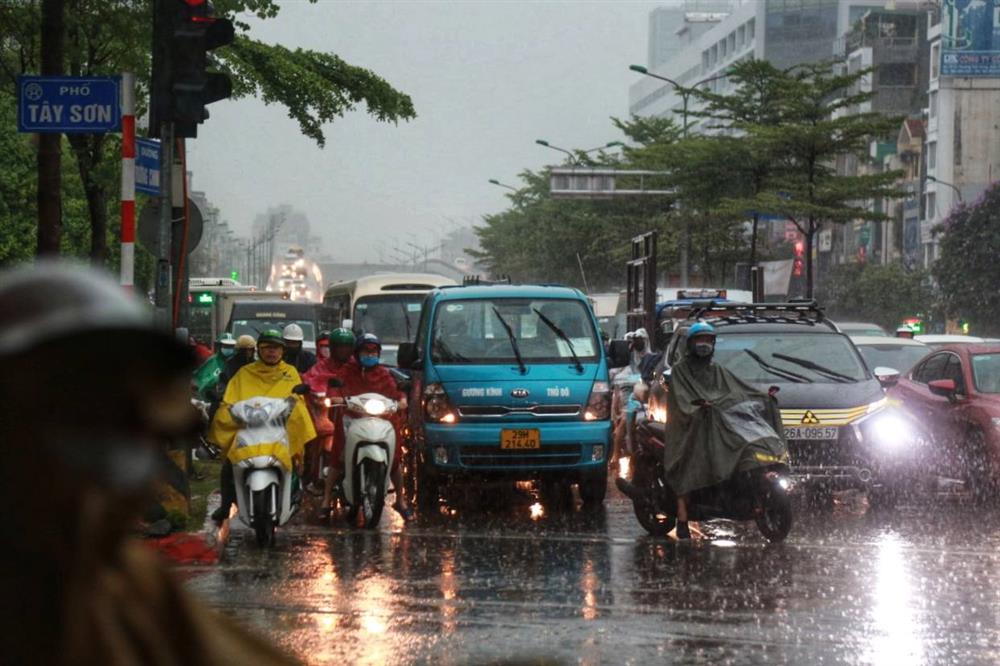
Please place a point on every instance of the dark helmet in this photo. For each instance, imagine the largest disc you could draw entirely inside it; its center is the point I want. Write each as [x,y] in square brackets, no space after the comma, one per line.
[323,335]
[368,340]
[271,336]
[342,336]
[51,301]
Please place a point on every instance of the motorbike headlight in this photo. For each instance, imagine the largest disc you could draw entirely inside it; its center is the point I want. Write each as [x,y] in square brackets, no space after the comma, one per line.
[327,402]
[375,407]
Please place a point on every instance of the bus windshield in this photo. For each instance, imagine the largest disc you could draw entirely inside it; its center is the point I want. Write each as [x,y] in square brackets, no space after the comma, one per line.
[475,331]
[254,327]
[393,318]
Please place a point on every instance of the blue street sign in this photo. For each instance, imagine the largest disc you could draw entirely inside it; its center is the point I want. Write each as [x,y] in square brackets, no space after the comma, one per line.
[72,104]
[147,166]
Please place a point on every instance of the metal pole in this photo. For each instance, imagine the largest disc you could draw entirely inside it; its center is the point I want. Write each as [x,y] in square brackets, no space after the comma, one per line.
[684,239]
[128,181]
[163,270]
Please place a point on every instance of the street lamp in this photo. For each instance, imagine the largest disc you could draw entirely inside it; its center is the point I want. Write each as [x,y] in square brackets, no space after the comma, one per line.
[494,181]
[957,191]
[572,156]
[685,93]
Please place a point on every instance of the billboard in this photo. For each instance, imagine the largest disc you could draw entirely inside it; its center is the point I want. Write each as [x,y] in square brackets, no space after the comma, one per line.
[970,38]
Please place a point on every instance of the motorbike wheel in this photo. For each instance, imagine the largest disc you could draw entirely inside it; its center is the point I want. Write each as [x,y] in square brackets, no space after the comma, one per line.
[654,521]
[776,520]
[371,499]
[428,489]
[263,523]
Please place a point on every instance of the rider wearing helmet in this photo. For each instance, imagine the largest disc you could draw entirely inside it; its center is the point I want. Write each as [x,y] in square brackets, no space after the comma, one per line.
[323,345]
[330,440]
[269,376]
[708,412]
[363,373]
[295,355]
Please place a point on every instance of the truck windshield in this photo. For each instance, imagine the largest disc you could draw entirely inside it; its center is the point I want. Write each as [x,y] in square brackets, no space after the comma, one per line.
[831,352]
[469,331]
[393,318]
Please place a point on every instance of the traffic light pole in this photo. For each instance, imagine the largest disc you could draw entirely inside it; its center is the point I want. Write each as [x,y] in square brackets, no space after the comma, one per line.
[164,283]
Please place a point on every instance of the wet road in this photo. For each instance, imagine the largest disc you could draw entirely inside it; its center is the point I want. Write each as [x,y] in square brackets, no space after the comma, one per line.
[920,585]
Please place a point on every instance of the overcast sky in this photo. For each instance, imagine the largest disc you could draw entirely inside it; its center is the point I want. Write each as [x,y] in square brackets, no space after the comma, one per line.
[487,78]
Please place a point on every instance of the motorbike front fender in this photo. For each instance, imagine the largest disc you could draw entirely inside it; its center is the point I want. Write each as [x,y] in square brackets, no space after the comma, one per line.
[261,479]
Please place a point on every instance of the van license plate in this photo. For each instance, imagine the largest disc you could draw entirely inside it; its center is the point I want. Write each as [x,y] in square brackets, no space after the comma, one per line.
[520,439]
[799,432]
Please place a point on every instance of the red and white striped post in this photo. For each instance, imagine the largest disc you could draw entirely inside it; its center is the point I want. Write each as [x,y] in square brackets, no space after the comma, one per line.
[128,180]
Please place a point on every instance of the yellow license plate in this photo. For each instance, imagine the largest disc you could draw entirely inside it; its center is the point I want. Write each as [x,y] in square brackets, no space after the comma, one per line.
[520,439]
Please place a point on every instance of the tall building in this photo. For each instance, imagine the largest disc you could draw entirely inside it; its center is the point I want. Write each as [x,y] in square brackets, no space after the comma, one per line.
[785,32]
[673,26]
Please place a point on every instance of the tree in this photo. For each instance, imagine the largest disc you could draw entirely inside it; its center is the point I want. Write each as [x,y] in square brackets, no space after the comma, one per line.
[884,294]
[111,36]
[967,270]
[817,122]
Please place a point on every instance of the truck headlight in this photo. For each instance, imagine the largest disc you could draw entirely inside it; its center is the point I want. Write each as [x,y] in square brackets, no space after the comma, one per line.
[599,403]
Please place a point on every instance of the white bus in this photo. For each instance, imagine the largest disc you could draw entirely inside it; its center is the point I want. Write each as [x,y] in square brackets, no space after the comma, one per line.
[386,304]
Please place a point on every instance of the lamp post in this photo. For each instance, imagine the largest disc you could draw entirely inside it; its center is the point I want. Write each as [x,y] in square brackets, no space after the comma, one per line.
[947,184]
[685,93]
[494,181]
[572,156]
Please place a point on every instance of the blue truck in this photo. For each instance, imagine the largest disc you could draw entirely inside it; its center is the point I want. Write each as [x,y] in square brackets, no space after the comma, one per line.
[509,382]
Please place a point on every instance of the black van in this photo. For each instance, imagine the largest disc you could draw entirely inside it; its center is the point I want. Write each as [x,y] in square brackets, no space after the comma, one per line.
[840,433]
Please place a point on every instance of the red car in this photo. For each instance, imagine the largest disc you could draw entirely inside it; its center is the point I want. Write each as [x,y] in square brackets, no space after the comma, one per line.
[955,393]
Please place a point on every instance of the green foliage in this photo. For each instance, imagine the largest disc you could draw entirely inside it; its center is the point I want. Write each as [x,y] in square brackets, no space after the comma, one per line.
[967,270]
[111,36]
[884,294]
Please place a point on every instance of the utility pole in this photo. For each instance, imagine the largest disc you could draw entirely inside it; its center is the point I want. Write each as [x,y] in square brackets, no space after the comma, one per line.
[50,145]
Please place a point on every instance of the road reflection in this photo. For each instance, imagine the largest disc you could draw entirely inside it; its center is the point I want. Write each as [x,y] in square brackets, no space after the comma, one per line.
[898,632]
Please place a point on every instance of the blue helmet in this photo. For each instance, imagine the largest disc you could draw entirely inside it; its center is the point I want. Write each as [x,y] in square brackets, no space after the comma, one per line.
[700,328]
[365,343]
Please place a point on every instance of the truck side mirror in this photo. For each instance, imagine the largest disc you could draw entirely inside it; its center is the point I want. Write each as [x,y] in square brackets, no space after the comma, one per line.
[407,355]
[618,353]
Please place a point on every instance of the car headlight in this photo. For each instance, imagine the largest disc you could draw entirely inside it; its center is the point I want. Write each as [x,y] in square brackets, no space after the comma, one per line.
[375,407]
[891,432]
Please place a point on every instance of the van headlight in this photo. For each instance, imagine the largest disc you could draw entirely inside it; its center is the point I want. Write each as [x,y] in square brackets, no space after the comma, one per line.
[599,403]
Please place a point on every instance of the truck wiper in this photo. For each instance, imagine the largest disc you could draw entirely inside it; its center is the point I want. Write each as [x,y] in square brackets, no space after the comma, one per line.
[445,352]
[562,334]
[513,340]
[833,374]
[778,372]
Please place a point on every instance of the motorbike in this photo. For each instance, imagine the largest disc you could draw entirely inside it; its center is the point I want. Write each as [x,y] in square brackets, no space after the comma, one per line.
[760,495]
[266,492]
[369,446]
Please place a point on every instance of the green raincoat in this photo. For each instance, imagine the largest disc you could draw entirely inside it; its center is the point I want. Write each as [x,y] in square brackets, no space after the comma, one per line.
[740,429]
[207,375]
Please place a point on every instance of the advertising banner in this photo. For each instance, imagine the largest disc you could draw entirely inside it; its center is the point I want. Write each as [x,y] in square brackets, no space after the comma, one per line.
[970,38]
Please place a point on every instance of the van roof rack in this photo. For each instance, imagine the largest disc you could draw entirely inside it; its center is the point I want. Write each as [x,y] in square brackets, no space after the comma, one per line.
[805,312]
[478,280]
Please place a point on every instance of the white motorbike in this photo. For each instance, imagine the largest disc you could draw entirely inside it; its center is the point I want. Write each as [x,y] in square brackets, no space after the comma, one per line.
[369,446]
[263,483]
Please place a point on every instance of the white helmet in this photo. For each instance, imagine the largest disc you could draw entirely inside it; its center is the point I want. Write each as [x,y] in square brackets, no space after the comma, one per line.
[293,333]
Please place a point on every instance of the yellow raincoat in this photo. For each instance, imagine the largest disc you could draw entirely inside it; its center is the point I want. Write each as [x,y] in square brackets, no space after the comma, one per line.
[259,380]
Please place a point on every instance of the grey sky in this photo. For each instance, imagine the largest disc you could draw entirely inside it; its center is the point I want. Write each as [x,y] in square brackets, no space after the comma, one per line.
[486,78]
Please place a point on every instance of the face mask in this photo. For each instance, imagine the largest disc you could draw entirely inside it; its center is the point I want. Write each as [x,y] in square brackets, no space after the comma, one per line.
[369,361]
[703,349]
[639,345]
[227,352]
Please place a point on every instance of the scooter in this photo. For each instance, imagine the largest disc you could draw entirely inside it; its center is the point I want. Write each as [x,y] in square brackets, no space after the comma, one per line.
[761,494]
[264,486]
[369,446]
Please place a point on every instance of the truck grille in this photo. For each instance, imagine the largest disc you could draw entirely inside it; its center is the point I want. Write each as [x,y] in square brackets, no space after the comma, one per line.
[499,411]
[548,456]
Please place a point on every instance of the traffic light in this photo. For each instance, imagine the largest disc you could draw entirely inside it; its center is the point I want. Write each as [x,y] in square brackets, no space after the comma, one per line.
[235,275]
[798,265]
[184,31]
